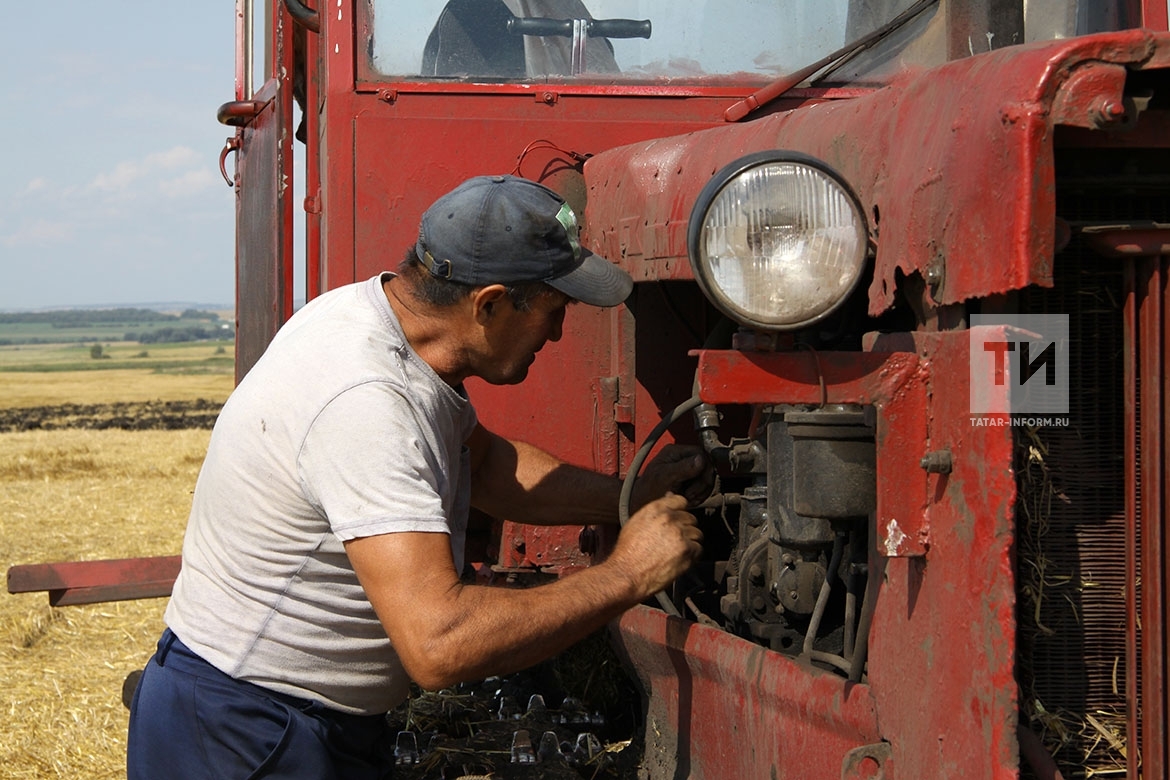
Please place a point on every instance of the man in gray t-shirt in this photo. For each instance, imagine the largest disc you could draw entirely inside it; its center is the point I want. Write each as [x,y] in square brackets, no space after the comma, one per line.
[322,556]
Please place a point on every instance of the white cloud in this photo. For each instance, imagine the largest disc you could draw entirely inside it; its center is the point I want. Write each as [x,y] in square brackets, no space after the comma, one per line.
[39,184]
[189,183]
[130,175]
[39,232]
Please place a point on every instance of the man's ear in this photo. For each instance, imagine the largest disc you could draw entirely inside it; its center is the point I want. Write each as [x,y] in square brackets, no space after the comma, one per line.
[484,301]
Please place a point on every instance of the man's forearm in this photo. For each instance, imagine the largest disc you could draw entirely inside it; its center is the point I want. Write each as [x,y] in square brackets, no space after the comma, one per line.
[445,631]
[526,484]
[501,630]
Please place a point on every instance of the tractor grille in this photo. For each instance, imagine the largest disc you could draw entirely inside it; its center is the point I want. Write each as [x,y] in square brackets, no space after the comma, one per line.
[1071,511]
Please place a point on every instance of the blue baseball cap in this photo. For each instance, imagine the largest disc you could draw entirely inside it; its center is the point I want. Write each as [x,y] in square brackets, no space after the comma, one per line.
[509,230]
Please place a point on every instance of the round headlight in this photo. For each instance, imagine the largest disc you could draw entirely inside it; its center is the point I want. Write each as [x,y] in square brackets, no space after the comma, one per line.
[777,241]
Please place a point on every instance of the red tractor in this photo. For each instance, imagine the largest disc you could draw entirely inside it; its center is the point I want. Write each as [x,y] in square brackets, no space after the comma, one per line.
[838,215]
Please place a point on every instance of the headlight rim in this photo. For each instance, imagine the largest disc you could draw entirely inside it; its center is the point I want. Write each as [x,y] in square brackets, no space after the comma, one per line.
[715,186]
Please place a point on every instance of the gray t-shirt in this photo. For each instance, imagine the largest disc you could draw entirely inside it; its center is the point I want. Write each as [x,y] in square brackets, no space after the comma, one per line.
[339,431]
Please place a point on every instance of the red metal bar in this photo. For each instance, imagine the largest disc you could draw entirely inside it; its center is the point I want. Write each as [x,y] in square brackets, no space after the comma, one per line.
[283,67]
[1132,242]
[313,204]
[1133,563]
[242,28]
[1154,14]
[89,582]
[1151,320]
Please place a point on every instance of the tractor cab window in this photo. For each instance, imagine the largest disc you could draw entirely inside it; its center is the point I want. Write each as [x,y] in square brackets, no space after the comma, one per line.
[601,40]
[703,41]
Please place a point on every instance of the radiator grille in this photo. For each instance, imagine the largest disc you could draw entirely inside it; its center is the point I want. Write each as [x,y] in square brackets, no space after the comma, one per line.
[1071,523]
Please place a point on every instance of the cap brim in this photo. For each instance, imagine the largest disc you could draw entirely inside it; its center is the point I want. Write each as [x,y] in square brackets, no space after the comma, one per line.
[595,281]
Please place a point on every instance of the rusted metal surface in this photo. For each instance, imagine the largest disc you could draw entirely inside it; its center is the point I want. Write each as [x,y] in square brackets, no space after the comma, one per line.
[943,625]
[88,582]
[991,117]
[264,204]
[721,707]
[1152,14]
[259,236]
[894,382]
[1125,242]
[1147,387]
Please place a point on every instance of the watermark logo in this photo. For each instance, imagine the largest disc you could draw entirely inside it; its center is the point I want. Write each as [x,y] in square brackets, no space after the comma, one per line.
[1019,369]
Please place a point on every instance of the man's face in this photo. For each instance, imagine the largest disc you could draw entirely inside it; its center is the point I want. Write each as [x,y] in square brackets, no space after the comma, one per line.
[513,337]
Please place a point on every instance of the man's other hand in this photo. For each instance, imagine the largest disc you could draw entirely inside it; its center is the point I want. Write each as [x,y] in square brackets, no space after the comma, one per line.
[685,470]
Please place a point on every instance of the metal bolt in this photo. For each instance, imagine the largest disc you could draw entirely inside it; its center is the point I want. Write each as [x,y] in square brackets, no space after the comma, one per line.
[756,574]
[937,462]
[1110,112]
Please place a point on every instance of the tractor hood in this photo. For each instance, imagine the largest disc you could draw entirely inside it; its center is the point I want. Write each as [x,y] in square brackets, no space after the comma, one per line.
[954,166]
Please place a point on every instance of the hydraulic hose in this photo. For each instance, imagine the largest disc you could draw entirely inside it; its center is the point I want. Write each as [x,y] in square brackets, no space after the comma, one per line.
[636,466]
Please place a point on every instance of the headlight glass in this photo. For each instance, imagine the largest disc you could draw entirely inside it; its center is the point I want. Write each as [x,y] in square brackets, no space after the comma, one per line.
[777,241]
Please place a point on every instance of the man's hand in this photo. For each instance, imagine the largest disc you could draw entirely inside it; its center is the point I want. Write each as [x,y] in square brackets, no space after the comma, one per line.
[658,544]
[445,631]
[681,469]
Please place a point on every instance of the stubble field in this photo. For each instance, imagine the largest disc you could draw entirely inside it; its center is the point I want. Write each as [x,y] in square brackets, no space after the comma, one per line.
[117,486]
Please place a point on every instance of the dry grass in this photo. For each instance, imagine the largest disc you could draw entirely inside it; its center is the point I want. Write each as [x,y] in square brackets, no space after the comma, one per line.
[77,495]
[19,389]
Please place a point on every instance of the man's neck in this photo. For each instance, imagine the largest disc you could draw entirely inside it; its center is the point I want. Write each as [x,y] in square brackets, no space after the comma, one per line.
[432,332]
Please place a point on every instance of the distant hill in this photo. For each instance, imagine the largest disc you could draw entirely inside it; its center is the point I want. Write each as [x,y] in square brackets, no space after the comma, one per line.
[174,307]
[144,325]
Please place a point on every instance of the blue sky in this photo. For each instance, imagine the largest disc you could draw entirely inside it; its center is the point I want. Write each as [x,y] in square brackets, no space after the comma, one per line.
[110,191]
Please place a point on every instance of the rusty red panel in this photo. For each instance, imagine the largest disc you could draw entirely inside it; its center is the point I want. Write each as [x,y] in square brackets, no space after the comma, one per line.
[453,137]
[721,707]
[802,377]
[263,231]
[944,627]
[894,382]
[88,582]
[990,117]
[1155,14]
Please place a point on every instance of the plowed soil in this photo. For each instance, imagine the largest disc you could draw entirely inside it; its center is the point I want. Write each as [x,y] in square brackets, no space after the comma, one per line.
[129,416]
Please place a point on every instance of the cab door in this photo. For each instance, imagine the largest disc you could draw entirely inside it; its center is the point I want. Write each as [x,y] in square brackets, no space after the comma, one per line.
[263,177]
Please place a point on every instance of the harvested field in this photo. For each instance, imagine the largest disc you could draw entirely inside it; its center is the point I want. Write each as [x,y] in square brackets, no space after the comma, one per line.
[93,479]
[93,464]
[81,495]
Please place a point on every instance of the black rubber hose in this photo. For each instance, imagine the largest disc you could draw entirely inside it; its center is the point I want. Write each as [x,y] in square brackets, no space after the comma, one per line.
[303,15]
[636,466]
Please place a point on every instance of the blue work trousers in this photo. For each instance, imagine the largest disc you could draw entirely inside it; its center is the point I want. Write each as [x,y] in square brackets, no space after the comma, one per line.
[190,721]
